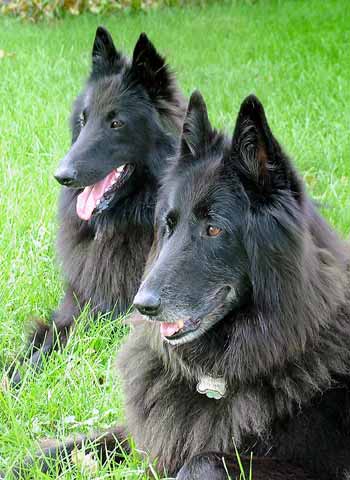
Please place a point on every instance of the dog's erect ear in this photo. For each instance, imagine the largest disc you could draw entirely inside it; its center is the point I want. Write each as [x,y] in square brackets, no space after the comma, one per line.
[150,68]
[106,60]
[259,159]
[197,132]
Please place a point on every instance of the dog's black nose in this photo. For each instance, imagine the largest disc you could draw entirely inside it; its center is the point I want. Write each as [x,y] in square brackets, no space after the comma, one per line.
[147,303]
[66,176]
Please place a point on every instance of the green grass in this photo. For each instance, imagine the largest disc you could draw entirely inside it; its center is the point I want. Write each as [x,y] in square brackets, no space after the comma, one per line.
[293,54]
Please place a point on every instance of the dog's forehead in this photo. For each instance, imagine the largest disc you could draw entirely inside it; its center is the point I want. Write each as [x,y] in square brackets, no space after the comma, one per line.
[197,185]
[105,93]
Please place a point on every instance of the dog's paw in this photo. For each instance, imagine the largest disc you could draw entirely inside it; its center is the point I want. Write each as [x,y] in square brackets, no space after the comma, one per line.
[184,474]
[201,468]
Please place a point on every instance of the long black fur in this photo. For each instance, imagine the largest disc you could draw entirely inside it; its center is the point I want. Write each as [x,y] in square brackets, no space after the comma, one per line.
[103,258]
[282,339]
[271,291]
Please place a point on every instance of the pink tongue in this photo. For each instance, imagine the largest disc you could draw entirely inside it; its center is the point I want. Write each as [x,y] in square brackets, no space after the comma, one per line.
[168,329]
[88,198]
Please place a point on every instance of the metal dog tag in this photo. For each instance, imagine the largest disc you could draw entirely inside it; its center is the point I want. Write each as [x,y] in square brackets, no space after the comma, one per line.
[212,387]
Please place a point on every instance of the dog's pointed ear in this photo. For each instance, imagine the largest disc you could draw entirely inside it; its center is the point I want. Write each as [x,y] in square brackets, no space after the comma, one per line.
[197,132]
[150,68]
[259,159]
[106,60]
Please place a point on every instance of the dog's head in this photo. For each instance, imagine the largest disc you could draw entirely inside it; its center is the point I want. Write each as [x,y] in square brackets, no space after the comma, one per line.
[117,122]
[223,207]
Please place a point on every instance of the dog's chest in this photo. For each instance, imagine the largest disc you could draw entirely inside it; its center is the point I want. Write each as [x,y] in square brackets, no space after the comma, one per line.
[172,421]
[103,267]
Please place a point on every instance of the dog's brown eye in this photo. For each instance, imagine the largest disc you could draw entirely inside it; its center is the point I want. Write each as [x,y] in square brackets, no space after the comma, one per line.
[117,124]
[213,231]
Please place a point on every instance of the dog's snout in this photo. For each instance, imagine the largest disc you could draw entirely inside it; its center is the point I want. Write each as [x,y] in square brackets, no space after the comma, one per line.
[66,176]
[147,302]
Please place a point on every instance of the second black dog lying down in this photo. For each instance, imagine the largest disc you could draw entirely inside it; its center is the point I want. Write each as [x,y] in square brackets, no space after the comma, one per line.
[247,290]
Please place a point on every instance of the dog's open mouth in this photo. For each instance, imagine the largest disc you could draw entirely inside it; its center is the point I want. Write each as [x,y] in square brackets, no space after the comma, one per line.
[98,197]
[179,329]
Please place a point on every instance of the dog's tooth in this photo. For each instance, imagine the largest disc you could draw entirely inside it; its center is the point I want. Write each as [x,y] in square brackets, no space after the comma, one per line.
[180,323]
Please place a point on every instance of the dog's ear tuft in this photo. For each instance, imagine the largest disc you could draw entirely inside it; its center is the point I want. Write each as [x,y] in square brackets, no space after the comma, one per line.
[106,60]
[150,68]
[197,132]
[258,157]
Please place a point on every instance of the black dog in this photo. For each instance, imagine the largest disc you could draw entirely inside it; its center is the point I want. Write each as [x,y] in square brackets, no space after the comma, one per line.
[249,295]
[125,124]
[247,290]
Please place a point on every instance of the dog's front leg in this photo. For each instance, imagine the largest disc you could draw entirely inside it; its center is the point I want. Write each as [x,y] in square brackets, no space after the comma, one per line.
[204,467]
[221,466]
[48,337]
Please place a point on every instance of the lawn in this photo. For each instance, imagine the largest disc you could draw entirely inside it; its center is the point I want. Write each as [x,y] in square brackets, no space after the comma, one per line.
[293,54]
